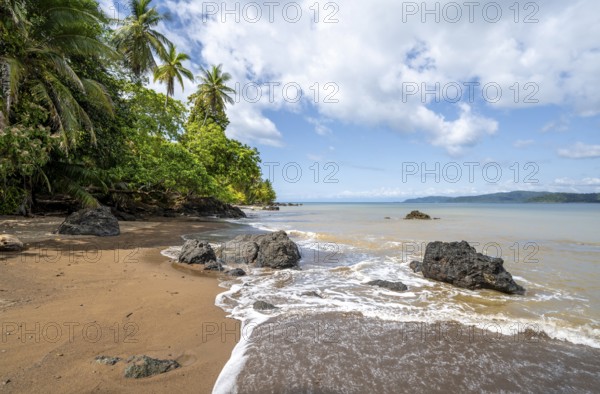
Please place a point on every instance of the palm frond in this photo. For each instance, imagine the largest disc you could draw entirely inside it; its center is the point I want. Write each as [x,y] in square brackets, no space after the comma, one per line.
[98,95]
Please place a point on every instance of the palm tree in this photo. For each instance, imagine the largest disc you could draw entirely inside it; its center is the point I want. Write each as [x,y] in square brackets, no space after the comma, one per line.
[213,93]
[40,71]
[12,18]
[137,40]
[42,84]
[172,69]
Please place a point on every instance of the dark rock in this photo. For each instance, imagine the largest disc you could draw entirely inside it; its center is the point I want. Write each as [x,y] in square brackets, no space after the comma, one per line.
[10,243]
[213,266]
[208,206]
[144,366]
[197,252]
[263,306]
[415,266]
[274,250]
[530,334]
[107,360]
[393,286]
[91,221]
[387,218]
[311,294]
[236,272]
[271,208]
[123,216]
[459,264]
[240,250]
[417,215]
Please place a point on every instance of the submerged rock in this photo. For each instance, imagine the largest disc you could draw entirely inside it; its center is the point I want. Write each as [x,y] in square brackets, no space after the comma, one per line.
[263,306]
[236,272]
[393,286]
[213,266]
[144,366]
[415,266]
[10,243]
[270,208]
[459,264]
[417,215]
[274,250]
[197,252]
[311,294]
[91,221]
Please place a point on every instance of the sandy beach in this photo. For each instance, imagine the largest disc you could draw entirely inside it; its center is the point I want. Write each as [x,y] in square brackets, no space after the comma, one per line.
[67,299]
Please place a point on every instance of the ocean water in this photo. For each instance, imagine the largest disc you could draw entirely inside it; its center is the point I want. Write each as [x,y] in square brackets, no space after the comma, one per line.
[325,310]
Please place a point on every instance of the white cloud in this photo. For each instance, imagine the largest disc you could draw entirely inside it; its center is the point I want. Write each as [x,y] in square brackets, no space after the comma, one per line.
[580,151]
[247,125]
[523,143]
[370,55]
[320,127]
[558,125]
[575,182]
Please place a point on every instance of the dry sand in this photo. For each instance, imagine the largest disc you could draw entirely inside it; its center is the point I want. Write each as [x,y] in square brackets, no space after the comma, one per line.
[66,300]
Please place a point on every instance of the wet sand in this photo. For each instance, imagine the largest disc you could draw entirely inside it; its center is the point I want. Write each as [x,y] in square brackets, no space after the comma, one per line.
[67,299]
[350,353]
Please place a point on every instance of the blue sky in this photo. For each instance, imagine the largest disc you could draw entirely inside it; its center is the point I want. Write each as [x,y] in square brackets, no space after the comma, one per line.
[532,122]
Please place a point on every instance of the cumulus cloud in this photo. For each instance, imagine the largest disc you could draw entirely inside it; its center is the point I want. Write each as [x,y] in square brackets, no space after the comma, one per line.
[580,151]
[358,68]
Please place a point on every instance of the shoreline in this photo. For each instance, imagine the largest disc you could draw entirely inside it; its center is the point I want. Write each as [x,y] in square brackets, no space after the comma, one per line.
[67,299]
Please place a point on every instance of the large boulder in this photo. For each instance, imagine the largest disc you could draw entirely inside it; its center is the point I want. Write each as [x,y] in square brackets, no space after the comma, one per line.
[459,264]
[274,250]
[91,221]
[197,252]
[10,243]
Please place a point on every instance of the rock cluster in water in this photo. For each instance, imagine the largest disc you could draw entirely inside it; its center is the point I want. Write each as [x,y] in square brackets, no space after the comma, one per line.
[273,250]
[417,215]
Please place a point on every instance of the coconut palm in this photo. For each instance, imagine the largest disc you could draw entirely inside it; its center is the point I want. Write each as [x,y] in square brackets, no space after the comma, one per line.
[40,70]
[137,39]
[172,69]
[213,94]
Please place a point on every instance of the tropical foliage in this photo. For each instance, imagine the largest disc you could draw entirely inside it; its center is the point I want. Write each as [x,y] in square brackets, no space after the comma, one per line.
[76,118]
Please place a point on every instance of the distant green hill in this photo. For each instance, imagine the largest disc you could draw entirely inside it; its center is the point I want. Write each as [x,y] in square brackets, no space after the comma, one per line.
[513,197]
